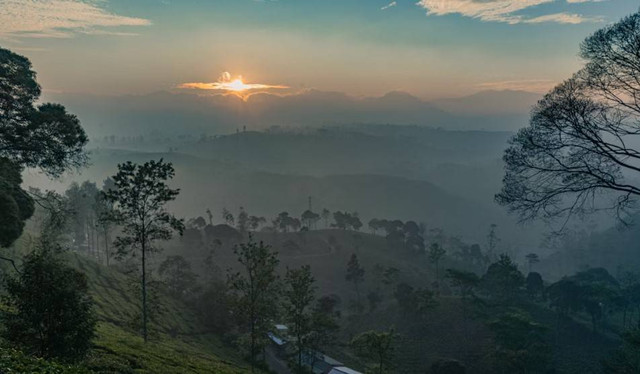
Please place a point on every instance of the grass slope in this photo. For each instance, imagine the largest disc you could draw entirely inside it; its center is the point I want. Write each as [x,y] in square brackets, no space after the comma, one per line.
[177,343]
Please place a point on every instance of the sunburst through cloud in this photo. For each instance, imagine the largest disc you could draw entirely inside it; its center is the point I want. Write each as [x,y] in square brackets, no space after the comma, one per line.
[228,84]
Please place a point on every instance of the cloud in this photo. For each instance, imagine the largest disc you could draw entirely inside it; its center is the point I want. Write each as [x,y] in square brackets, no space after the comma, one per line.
[59,18]
[567,18]
[227,84]
[390,5]
[500,10]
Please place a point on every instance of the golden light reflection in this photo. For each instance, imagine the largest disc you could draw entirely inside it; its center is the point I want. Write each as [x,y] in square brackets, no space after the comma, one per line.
[227,84]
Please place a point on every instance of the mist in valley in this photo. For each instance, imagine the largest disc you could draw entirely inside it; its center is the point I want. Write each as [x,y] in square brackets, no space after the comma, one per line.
[329,213]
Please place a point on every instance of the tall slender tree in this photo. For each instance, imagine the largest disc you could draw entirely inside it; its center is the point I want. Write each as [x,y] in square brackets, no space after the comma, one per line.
[256,288]
[139,198]
[355,274]
[298,296]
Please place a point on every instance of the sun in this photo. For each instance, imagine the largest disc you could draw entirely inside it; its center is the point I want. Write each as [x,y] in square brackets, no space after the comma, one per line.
[237,85]
[234,86]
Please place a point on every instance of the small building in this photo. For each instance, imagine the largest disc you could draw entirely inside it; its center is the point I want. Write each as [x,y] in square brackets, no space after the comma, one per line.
[343,370]
[279,337]
[319,362]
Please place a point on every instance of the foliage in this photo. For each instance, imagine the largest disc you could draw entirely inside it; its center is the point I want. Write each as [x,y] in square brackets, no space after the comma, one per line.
[535,285]
[378,347]
[46,137]
[50,313]
[503,280]
[298,296]
[346,220]
[14,361]
[15,204]
[577,151]
[436,253]
[626,359]
[214,305]
[355,274]
[139,197]
[178,276]
[256,289]
[520,344]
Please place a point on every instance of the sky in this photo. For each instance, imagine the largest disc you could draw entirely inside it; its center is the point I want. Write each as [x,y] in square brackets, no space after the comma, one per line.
[429,48]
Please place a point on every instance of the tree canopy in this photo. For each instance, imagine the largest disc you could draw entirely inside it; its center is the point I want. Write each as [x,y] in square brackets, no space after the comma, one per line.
[578,154]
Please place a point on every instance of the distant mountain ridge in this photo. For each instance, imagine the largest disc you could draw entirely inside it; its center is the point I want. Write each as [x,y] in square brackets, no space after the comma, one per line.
[174,113]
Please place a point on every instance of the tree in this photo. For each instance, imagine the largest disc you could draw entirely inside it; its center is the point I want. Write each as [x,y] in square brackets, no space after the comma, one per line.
[310,218]
[374,298]
[355,274]
[374,225]
[178,276]
[50,311]
[520,344]
[227,216]
[44,137]
[326,214]
[577,154]
[503,280]
[256,289]
[436,253]
[139,200]
[210,216]
[378,347]
[298,296]
[535,285]
[492,241]
[532,259]
[243,221]
[255,222]
[16,206]
[626,359]
[103,208]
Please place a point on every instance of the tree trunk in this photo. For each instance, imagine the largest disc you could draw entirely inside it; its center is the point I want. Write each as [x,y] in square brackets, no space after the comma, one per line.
[106,245]
[144,291]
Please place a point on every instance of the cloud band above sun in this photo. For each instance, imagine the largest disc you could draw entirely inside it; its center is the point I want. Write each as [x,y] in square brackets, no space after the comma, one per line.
[227,84]
[503,10]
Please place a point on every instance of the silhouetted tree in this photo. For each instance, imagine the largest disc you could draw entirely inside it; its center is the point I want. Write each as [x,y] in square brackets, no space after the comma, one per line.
[227,217]
[578,150]
[378,347]
[310,218]
[532,259]
[326,215]
[177,274]
[298,296]
[256,288]
[436,253]
[535,285]
[139,200]
[50,311]
[355,274]
[503,280]
[44,137]
[520,344]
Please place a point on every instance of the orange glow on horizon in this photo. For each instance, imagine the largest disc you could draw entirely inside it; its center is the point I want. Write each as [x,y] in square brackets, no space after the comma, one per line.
[235,86]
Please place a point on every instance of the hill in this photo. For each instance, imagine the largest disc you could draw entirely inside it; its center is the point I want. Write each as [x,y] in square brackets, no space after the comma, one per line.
[178,344]
[444,332]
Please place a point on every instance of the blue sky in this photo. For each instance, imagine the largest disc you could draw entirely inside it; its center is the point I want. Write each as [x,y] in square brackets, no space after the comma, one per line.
[430,48]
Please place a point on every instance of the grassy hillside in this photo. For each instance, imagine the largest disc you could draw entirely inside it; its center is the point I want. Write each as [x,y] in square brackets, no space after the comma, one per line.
[444,333]
[178,344]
